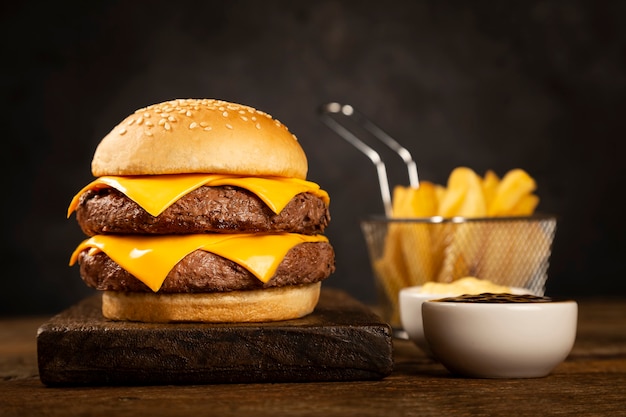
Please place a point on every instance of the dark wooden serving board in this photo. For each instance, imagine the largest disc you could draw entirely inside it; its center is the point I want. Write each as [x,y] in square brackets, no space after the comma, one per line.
[342,340]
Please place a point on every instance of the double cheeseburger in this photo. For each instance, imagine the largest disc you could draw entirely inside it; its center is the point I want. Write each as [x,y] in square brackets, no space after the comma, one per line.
[201,211]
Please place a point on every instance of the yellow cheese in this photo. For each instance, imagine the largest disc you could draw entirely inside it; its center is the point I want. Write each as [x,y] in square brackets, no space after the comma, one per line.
[157,192]
[151,258]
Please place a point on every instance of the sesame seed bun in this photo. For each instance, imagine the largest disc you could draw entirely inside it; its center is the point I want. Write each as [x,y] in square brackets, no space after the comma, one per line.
[200,136]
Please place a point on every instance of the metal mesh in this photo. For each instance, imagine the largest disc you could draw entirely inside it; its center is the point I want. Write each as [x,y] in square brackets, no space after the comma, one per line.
[511,251]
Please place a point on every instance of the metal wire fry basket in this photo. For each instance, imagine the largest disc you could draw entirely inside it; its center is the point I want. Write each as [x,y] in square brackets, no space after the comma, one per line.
[510,251]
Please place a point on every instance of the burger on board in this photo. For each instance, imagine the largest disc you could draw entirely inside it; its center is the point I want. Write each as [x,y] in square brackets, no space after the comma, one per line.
[201,211]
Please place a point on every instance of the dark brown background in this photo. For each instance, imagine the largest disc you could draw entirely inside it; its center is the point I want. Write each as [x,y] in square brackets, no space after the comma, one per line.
[537,85]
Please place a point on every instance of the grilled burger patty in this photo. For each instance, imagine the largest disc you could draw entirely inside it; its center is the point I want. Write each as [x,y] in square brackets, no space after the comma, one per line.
[223,209]
[202,271]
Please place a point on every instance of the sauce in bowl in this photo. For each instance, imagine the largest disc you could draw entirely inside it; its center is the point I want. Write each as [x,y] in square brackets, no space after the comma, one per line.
[496,298]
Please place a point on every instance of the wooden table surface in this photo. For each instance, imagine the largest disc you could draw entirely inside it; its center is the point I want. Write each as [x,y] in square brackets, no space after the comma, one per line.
[591,382]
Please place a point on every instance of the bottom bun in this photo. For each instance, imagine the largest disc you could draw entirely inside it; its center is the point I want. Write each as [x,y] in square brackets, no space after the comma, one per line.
[271,304]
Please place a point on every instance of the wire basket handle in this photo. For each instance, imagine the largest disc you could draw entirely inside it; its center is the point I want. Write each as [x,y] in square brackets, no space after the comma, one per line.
[329,114]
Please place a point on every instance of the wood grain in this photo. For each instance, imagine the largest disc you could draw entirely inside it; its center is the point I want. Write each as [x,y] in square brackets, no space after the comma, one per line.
[589,383]
[341,340]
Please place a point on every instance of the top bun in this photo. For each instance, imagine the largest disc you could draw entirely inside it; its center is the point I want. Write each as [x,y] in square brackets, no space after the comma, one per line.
[200,136]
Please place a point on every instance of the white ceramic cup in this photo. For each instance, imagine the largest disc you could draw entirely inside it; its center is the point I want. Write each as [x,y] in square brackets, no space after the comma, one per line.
[500,340]
[410,300]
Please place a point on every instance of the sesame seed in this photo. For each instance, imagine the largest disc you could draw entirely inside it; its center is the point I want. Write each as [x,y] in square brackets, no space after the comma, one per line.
[166,113]
[148,133]
[122,131]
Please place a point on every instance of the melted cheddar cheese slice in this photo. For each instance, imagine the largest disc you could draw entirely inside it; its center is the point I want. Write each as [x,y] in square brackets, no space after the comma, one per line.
[156,193]
[151,258]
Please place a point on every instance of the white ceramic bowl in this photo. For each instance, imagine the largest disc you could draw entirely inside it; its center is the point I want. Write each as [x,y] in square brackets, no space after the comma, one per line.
[500,340]
[410,300]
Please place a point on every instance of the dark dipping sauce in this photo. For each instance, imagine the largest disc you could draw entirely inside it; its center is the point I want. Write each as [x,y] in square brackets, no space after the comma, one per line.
[499,298]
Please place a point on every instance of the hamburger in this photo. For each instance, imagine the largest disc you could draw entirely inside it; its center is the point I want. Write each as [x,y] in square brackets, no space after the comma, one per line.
[201,211]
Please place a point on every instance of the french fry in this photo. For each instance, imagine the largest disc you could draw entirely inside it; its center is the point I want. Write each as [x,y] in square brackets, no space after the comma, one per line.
[423,200]
[400,207]
[463,250]
[406,258]
[416,237]
[510,191]
[517,252]
[490,184]
[440,192]
[412,202]
[512,248]
[464,195]
[389,265]
[525,206]
[391,275]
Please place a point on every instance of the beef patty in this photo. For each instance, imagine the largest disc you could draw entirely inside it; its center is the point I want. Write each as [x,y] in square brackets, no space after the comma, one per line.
[207,209]
[202,271]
